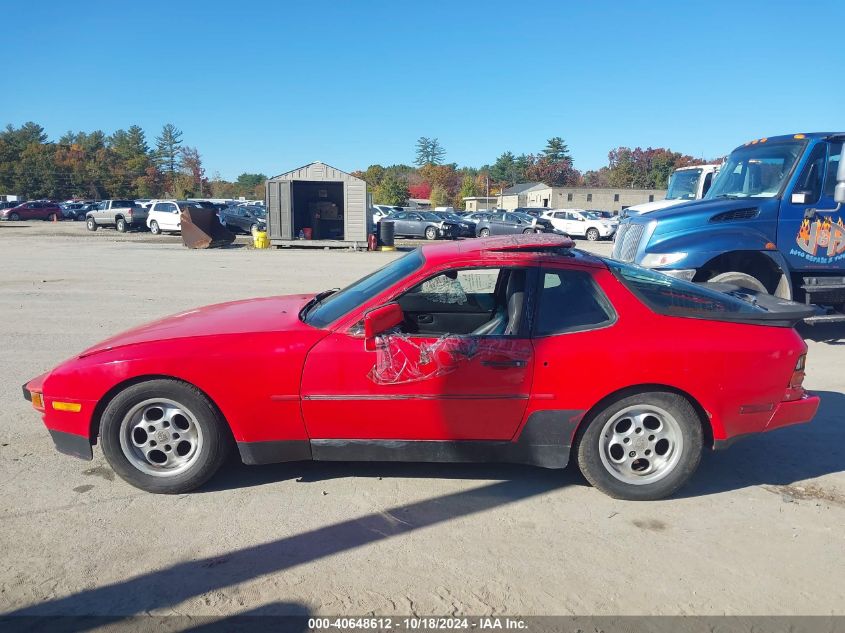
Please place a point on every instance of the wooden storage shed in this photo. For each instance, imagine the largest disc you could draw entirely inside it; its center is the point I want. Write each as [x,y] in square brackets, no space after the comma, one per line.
[323,205]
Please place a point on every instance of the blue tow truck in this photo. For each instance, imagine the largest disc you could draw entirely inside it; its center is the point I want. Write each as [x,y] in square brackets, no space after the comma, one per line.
[772,222]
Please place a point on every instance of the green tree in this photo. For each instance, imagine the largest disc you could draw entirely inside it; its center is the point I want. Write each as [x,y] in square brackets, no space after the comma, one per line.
[167,154]
[468,189]
[556,151]
[439,196]
[429,152]
[392,190]
[246,184]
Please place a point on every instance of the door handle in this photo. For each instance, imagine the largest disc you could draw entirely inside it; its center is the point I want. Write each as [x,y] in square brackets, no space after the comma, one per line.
[503,364]
[425,318]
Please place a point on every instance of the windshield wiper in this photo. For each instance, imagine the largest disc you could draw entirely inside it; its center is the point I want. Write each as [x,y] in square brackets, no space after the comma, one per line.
[317,300]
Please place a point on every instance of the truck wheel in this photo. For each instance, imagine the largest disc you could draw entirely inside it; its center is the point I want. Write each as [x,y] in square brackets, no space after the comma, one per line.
[154,229]
[484,233]
[641,447]
[163,436]
[120,225]
[430,233]
[90,224]
[742,280]
[14,217]
[593,235]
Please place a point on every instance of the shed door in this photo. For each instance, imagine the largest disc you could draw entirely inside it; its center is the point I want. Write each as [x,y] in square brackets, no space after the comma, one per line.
[281,223]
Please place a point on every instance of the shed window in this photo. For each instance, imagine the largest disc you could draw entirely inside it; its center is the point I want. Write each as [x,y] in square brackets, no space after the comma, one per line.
[616,197]
[569,197]
[651,198]
[589,197]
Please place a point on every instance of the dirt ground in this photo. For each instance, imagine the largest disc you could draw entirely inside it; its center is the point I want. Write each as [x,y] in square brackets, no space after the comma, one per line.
[758,531]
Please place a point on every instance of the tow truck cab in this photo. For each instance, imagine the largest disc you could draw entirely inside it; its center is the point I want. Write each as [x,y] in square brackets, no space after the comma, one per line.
[773,221]
[685,184]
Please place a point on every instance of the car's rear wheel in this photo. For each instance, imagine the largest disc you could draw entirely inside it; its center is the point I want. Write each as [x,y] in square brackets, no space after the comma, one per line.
[641,447]
[120,225]
[163,436]
[430,233]
[14,216]
[90,224]
[154,228]
[527,231]
[593,235]
[484,233]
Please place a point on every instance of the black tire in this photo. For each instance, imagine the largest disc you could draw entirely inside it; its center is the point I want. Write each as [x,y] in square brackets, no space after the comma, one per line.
[154,228]
[527,231]
[80,218]
[14,217]
[593,235]
[484,233]
[90,224]
[210,456]
[430,233]
[120,225]
[589,446]
[52,217]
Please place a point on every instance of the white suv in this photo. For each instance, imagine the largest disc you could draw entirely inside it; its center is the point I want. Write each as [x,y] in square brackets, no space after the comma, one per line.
[164,216]
[581,223]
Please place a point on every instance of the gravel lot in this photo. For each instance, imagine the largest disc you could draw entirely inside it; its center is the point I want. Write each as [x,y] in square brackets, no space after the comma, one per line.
[759,530]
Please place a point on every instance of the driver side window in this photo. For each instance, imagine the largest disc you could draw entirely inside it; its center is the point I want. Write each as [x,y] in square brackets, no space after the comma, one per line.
[476,301]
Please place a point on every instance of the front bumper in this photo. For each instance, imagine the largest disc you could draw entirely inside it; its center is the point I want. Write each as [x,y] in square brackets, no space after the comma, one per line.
[66,442]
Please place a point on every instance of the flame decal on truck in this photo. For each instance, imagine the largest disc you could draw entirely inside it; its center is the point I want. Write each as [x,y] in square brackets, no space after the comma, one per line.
[821,234]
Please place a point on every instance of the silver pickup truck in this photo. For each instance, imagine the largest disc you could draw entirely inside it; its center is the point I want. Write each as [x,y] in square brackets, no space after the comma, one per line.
[121,214]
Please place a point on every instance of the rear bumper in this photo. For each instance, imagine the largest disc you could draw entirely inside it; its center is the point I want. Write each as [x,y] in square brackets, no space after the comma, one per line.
[786,413]
[794,412]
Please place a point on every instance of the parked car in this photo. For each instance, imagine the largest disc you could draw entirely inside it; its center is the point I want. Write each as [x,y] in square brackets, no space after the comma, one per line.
[35,210]
[75,210]
[465,227]
[247,219]
[506,223]
[165,216]
[8,204]
[577,222]
[121,214]
[439,357]
[423,224]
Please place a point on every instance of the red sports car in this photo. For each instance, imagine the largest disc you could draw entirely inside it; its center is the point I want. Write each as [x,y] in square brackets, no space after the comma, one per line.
[480,350]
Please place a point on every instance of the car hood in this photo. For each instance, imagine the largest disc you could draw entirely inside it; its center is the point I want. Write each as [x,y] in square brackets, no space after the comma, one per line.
[267,314]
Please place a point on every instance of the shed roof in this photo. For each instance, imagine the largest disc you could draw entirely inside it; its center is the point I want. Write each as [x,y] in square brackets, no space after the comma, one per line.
[318,165]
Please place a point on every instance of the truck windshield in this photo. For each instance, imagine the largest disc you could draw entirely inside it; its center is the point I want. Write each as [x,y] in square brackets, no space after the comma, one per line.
[759,170]
[339,303]
[683,185]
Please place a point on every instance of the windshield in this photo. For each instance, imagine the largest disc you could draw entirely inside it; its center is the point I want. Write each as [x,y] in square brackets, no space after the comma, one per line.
[683,185]
[591,215]
[336,305]
[757,170]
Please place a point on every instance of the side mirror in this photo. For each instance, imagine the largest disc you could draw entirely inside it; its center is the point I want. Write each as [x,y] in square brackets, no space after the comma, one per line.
[839,192]
[379,320]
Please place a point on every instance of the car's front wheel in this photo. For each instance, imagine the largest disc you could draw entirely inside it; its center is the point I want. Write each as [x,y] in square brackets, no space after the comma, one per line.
[154,228]
[90,224]
[484,233]
[163,436]
[641,447]
[14,217]
[593,235]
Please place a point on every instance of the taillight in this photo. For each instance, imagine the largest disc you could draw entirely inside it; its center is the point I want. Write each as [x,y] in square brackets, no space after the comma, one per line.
[795,390]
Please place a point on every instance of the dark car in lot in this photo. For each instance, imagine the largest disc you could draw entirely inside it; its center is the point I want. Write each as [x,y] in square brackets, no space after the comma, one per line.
[247,219]
[37,210]
[76,210]
[423,224]
[466,228]
[506,223]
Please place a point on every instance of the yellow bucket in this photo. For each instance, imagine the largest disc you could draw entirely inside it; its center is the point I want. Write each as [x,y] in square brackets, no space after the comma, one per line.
[259,239]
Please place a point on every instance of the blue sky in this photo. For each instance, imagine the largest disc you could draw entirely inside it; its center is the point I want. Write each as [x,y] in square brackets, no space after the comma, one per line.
[268,86]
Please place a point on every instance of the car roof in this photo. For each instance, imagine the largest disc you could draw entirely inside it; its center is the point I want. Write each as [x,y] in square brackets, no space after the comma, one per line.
[513,249]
